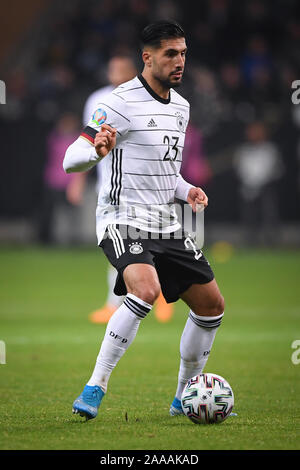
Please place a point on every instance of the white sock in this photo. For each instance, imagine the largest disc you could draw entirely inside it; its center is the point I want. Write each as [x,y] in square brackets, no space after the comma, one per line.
[112,298]
[120,332]
[195,345]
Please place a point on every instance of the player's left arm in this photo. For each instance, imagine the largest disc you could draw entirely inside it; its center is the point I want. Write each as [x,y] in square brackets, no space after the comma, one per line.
[195,196]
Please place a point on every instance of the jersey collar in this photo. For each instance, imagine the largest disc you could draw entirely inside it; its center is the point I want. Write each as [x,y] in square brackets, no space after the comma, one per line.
[152,92]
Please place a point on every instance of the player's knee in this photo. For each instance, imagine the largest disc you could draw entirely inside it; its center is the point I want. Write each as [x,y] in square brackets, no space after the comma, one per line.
[219,306]
[148,292]
[213,308]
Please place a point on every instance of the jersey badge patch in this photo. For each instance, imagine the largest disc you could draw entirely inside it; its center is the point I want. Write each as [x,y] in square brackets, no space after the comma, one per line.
[99,117]
[180,122]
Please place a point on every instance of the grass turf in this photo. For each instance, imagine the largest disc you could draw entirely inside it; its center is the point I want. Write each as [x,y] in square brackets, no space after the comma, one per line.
[45,298]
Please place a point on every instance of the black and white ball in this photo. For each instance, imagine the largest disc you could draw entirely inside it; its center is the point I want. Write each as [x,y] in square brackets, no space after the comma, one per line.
[207,398]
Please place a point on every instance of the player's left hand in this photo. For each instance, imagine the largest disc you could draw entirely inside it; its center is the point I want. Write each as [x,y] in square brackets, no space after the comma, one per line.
[197,199]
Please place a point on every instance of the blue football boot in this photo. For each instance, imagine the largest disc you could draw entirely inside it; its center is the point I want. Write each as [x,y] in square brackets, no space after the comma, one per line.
[176,408]
[88,402]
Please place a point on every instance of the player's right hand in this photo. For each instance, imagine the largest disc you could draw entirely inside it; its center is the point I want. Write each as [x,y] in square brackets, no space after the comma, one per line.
[105,140]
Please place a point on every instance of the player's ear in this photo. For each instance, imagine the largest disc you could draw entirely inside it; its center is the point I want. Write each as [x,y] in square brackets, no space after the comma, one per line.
[147,58]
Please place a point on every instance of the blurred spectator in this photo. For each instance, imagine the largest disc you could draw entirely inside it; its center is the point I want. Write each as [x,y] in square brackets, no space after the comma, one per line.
[291,40]
[256,58]
[234,94]
[206,110]
[120,69]
[60,190]
[203,43]
[195,167]
[259,167]
[167,9]
[231,82]
[218,12]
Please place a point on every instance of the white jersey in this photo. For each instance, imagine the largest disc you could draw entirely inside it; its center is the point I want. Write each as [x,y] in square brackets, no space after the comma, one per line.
[138,178]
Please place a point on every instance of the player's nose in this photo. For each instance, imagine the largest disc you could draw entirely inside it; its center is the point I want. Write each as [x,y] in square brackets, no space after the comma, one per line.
[178,67]
[180,61]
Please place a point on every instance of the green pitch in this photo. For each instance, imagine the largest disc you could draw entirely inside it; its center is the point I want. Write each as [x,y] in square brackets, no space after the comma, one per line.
[45,299]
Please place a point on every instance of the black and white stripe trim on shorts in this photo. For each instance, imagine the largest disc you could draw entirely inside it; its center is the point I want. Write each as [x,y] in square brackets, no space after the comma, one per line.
[116,238]
[136,307]
[212,323]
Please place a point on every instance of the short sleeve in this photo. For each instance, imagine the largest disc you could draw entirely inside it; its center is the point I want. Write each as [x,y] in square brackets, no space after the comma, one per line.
[112,110]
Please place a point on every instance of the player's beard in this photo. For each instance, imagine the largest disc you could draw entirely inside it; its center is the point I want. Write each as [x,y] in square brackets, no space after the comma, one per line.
[167,83]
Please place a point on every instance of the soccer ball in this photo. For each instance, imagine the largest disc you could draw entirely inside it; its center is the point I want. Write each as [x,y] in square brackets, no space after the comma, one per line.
[207,398]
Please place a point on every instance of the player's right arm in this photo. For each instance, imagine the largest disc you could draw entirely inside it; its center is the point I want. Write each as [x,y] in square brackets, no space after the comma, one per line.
[108,124]
[81,156]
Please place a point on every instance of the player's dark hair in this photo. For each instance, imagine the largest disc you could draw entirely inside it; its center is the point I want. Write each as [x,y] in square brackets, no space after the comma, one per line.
[154,33]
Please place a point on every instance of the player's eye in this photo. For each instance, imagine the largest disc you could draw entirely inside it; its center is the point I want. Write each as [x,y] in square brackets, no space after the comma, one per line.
[171,53]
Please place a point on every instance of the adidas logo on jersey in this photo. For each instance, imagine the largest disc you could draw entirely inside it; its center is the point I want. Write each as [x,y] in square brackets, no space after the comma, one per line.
[151,123]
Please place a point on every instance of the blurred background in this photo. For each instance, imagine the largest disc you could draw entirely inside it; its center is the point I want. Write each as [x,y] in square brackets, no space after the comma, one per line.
[243,142]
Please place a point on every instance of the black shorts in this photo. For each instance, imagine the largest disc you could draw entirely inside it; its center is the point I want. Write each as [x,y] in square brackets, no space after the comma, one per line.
[178,261]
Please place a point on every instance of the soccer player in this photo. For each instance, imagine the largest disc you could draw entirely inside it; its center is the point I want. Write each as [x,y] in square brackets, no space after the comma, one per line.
[137,136]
